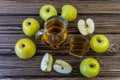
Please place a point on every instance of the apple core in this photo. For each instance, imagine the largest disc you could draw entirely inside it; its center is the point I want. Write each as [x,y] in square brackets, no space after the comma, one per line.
[86,25]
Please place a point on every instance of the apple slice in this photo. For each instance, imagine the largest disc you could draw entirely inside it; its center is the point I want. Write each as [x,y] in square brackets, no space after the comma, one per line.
[86,27]
[62,67]
[46,63]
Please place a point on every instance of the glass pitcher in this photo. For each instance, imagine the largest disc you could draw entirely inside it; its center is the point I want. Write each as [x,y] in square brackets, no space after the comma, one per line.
[54,33]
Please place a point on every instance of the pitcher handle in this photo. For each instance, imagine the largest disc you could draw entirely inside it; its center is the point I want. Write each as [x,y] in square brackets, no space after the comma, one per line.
[39,34]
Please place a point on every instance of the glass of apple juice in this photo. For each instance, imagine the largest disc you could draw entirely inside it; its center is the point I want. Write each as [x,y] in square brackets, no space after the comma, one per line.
[79,45]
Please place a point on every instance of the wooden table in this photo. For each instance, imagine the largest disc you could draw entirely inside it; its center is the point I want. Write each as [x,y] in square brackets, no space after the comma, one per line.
[106,14]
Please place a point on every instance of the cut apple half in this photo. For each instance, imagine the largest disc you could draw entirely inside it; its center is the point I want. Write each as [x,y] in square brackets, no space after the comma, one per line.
[62,67]
[47,62]
[86,27]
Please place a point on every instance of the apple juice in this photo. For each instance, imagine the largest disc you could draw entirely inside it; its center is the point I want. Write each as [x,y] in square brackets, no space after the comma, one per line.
[79,46]
[56,34]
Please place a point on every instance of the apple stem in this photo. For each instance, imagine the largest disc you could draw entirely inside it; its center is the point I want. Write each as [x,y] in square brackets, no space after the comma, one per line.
[48,10]
[92,65]
[23,45]
[29,23]
[99,40]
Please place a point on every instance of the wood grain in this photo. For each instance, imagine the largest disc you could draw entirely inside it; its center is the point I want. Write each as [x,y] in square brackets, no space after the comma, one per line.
[8,42]
[103,23]
[25,68]
[59,78]
[106,15]
[16,7]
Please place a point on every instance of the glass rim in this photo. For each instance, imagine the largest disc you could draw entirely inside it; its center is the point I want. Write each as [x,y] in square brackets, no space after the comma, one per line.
[59,18]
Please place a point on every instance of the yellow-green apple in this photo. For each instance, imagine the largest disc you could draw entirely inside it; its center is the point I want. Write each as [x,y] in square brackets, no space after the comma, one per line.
[69,12]
[89,67]
[47,11]
[46,63]
[30,26]
[99,43]
[62,67]
[86,27]
[25,48]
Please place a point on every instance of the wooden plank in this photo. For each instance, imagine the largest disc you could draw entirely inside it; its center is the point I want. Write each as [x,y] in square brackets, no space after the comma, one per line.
[8,42]
[32,7]
[104,23]
[12,66]
[106,14]
[59,78]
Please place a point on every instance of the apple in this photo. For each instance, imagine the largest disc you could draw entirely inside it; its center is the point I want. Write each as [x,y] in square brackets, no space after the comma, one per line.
[25,48]
[30,26]
[69,12]
[47,11]
[89,67]
[86,27]
[62,67]
[99,43]
[46,62]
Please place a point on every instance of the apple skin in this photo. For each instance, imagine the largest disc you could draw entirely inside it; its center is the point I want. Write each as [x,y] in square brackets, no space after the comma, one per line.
[99,43]
[25,48]
[89,67]
[30,26]
[69,12]
[47,11]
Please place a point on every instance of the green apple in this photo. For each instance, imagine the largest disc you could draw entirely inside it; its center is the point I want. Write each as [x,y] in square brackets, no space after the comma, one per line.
[30,26]
[99,43]
[89,67]
[47,11]
[25,48]
[69,12]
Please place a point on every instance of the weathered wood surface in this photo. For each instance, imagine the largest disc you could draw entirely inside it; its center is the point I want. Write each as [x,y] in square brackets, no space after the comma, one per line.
[57,78]
[106,14]
[32,6]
